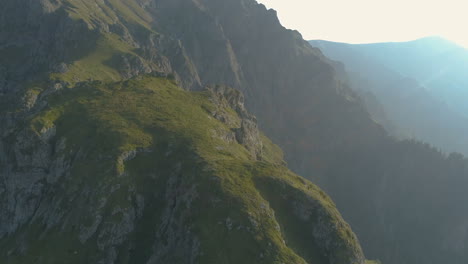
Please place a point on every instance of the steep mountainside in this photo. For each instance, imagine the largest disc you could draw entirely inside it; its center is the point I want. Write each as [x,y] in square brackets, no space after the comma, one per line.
[414,192]
[411,110]
[303,105]
[301,102]
[104,159]
[298,97]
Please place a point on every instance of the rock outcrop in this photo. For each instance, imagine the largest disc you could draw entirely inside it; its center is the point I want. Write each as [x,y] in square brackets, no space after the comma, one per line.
[246,130]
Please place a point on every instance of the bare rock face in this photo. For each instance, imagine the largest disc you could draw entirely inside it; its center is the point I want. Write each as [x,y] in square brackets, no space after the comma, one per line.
[131,66]
[25,166]
[3,80]
[245,130]
[249,136]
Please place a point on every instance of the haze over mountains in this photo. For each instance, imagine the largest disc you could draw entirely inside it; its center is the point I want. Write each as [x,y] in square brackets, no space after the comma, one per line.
[144,131]
[437,64]
[419,87]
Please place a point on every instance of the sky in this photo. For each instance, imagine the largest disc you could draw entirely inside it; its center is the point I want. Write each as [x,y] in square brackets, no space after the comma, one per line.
[368,21]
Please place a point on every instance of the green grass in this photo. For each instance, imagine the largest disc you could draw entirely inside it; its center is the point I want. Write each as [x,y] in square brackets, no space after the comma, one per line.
[91,11]
[97,64]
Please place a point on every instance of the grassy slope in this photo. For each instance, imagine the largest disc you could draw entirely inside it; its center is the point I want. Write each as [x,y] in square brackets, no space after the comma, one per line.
[98,64]
[108,12]
[104,120]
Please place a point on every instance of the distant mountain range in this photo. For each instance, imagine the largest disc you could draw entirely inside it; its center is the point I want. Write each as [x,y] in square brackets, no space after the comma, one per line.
[436,63]
[421,85]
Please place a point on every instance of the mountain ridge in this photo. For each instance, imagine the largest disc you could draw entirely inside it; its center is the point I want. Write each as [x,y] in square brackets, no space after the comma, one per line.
[436,63]
[433,38]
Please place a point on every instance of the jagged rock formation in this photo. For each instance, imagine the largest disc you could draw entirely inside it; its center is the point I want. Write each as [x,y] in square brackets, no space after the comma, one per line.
[246,133]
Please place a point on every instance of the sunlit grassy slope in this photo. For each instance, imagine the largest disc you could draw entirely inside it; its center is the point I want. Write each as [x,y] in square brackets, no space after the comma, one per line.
[245,210]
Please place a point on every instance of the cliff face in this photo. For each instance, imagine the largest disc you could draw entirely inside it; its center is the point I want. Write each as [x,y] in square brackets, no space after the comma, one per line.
[299,99]
[103,159]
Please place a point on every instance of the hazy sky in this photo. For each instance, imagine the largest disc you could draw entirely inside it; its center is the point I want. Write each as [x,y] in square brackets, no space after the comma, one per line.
[363,21]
